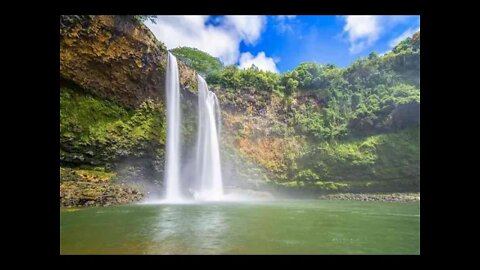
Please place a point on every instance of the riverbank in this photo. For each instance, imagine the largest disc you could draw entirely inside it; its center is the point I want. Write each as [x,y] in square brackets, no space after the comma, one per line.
[384,197]
[80,188]
[78,194]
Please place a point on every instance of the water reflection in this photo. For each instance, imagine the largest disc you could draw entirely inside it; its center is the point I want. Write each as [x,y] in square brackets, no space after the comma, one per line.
[189,229]
[234,228]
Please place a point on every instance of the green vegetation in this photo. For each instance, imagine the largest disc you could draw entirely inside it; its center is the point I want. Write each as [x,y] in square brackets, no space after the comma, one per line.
[202,62]
[382,157]
[318,127]
[235,78]
[360,124]
[92,174]
[142,18]
[374,95]
[95,131]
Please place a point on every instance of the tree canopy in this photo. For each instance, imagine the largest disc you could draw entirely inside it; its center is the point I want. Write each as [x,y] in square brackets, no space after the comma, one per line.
[202,62]
[375,94]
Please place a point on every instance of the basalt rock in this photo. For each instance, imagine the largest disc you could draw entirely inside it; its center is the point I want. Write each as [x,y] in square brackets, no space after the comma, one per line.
[114,57]
[95,188]
[389,197]
[74,194]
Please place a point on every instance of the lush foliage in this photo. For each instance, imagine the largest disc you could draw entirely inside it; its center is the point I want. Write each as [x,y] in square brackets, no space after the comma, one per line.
[95,131]
[409,44]
[235,78]
[373,95]
[142,18]
[318,126]
[202,62]
[335,129]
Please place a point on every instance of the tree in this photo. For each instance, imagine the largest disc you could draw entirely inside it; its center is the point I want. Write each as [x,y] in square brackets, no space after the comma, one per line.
[290,86]
[142,18]
[202,62]
[410,44]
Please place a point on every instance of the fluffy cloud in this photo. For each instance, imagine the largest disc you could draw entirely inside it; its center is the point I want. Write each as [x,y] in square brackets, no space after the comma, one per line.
[221,40]
[364,30]
[404,35]
[261,61]
[247,28]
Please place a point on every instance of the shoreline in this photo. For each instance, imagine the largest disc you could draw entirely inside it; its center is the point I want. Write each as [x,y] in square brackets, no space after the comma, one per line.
[382,197]
[379,197]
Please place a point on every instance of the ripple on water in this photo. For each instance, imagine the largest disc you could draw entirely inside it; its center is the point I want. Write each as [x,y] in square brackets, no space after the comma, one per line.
[244,228]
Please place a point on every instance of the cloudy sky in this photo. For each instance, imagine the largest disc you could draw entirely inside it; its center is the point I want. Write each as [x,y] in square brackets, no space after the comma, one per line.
[280,43]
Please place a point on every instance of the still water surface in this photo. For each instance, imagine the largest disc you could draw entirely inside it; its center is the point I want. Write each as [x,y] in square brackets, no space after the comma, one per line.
[276,227]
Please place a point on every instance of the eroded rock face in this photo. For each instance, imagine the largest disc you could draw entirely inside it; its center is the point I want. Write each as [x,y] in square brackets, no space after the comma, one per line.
[116,58]
[93,188]
[73,194]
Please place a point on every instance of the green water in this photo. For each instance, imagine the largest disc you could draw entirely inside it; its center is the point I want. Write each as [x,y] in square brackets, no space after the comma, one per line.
[281,227]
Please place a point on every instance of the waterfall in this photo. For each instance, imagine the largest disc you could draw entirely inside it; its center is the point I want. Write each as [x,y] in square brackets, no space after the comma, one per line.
[172,162]
[208,168]
[207,184]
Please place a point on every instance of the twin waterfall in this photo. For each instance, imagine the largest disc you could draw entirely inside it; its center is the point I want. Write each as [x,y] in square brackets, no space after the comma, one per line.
[207,184]
[172,159]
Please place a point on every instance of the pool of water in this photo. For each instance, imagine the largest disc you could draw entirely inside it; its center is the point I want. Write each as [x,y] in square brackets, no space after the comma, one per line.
[275,227]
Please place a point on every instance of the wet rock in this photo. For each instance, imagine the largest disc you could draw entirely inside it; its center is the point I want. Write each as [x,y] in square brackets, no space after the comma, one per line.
[76,190]
[393,197]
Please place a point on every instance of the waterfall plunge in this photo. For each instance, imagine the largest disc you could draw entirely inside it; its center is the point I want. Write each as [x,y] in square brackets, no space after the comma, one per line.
[172,162]
[208,183]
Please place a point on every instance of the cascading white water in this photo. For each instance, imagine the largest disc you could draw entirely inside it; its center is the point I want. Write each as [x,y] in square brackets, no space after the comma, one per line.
[208,168]
[172,162]
[207,184]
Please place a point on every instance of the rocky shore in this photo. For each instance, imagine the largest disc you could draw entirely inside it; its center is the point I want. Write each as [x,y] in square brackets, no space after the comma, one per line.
[90,188]
[385,197]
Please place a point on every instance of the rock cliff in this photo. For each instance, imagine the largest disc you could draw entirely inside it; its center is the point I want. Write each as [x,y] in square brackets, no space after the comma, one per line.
[114,57]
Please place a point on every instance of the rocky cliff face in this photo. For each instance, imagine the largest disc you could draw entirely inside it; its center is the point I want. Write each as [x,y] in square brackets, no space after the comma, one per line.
[112,111]
[264,144]
[112,121]
[114,57]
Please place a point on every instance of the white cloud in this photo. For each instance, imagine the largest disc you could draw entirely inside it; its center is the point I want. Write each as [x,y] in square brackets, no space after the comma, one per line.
[364,30]
[221,40]
[248,28]
[408,33]
[261,61]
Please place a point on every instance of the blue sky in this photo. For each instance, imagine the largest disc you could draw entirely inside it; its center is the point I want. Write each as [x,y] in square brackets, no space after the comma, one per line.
[280,43]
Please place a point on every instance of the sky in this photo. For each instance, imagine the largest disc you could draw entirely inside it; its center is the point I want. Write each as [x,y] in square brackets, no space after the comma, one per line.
[280,43]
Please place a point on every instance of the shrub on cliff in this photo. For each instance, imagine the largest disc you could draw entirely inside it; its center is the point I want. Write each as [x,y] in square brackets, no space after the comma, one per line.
[202,62]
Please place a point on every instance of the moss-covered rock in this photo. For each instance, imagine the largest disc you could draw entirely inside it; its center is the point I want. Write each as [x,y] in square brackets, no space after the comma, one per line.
[386,158]
[113,130]
[385,197]
[269,134]
[74,194]
[112,109]
[94,187]
[94,131]
[91,174]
